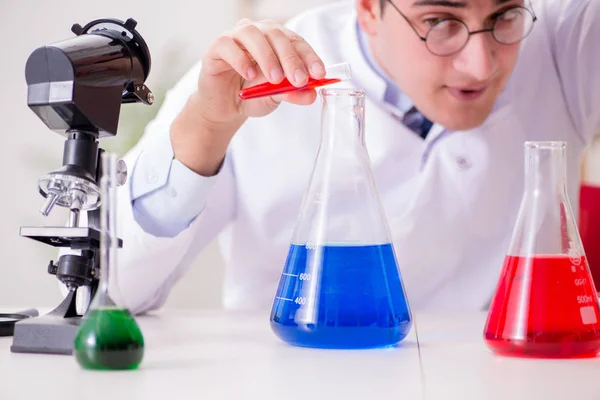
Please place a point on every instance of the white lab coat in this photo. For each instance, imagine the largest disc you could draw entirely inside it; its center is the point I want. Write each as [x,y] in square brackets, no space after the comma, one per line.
[450,200]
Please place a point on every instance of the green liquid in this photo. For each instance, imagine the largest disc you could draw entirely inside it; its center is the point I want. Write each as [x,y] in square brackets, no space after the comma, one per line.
[109,339]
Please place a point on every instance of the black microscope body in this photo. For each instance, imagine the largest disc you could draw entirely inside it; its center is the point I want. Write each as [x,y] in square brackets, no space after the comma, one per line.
[76,87]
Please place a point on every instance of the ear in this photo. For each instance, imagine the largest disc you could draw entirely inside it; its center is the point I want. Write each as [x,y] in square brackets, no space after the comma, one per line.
[369,15]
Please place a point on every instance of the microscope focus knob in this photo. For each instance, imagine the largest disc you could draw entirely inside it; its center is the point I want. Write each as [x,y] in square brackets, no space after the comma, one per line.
[121,172]
[68,191]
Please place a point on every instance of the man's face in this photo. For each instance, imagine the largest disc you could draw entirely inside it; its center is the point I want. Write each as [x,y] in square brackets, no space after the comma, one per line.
[457,91]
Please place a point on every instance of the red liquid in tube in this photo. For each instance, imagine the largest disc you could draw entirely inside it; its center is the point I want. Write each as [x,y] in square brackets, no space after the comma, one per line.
[269,89]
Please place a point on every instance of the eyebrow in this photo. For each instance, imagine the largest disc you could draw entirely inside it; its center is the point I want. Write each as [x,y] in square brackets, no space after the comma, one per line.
[449,3]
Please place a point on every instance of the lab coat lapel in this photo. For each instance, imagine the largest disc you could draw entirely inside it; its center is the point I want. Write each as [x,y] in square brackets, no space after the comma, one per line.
[391,145]
[463,200]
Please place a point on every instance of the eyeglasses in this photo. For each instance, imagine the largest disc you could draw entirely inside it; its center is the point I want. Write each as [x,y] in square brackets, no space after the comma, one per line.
[447,36]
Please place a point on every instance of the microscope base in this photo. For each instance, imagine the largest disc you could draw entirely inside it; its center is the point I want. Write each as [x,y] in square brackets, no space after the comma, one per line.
[45,335]
[53,333]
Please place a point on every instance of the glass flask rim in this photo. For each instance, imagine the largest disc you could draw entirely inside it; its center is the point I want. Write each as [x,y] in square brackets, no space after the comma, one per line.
[339,92]
[545,145]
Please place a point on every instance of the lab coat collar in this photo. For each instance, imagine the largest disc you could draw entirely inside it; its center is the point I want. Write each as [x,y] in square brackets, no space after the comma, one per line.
[363,76]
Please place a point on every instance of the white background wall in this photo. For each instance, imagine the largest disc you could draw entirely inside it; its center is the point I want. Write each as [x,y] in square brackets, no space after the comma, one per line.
[177,32]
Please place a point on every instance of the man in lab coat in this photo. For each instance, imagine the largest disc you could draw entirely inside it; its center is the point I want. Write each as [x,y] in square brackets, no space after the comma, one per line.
[479,77]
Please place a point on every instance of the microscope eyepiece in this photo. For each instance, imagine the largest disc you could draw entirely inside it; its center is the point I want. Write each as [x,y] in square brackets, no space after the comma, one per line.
[80,83]
[122,31]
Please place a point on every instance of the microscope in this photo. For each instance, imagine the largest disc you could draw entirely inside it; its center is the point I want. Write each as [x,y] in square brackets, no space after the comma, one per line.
[76,87]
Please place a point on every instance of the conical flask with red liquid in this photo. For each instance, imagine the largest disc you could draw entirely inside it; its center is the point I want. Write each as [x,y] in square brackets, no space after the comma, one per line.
[545,304]
[589,209]
[341,285]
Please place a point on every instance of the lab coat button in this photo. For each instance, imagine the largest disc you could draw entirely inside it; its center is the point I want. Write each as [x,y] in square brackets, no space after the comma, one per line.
[463,163]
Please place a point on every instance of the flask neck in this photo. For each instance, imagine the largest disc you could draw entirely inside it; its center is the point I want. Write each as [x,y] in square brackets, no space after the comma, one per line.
[545,224]
[545,169]
[341,204]
[342,120]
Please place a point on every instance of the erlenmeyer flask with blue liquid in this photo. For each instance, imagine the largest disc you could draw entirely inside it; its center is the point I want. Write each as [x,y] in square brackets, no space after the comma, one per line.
[341,286]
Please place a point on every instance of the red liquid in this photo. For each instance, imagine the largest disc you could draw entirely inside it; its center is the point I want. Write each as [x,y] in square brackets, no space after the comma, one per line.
[589,228]
[544,306]
[269,89]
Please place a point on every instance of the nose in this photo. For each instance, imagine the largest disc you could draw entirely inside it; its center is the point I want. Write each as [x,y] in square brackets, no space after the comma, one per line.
[478,58]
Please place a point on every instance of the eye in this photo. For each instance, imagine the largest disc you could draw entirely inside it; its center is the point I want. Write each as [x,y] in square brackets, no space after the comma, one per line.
[510,14]
[431,22]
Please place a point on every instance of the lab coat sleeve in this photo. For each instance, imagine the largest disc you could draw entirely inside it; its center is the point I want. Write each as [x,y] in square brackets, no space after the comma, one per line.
[150,264]
[170,209]
[575,25]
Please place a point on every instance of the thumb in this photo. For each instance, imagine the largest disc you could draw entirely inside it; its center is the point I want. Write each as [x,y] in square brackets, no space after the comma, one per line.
[301,98]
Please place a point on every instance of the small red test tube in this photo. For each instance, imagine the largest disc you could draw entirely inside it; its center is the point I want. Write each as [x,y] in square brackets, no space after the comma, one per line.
[333,74]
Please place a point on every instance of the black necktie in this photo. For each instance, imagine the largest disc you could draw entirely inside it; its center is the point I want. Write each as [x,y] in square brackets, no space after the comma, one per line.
[415,121]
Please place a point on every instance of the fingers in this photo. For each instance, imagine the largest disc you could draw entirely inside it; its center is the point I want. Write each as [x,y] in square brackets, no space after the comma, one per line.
[251,38]
[308,56]
[294,67]
[227,54]
[266,49]
[301,98]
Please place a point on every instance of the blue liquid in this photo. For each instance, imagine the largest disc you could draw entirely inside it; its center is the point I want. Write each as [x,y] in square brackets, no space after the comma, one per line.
[341,297]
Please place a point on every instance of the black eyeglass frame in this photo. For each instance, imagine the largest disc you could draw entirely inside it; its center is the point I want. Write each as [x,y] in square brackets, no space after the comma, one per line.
[491,30]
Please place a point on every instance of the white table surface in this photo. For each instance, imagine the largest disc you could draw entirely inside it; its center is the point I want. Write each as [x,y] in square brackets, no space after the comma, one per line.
[218,355]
